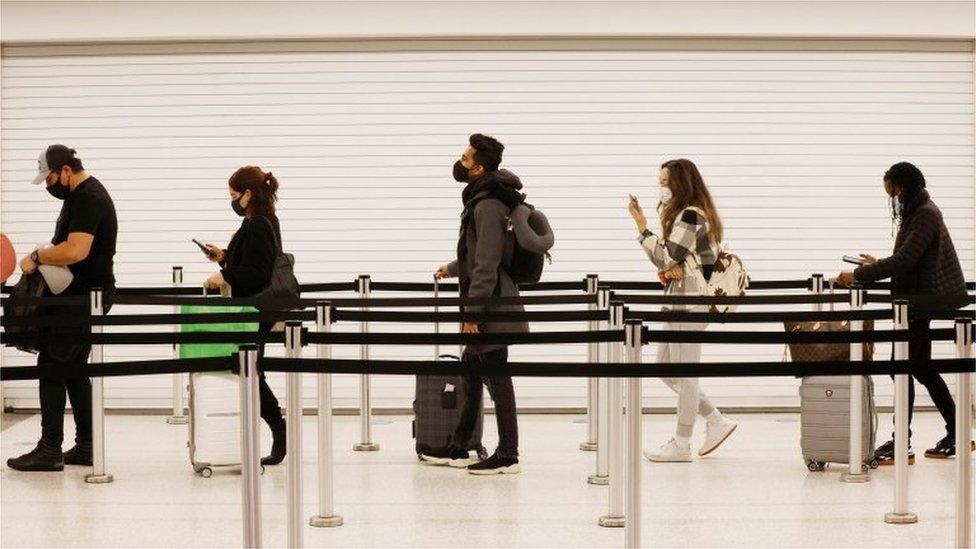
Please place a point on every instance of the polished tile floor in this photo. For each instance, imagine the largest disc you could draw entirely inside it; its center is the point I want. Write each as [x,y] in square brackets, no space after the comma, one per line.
[754,492]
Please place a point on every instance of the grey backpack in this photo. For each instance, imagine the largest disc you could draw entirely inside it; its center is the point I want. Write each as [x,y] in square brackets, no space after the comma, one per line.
[533,239]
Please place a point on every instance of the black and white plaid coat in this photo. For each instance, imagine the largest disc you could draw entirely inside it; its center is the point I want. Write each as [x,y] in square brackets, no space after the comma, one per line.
[689,236]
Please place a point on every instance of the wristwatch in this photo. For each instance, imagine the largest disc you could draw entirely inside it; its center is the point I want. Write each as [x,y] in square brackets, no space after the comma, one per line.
[34,257]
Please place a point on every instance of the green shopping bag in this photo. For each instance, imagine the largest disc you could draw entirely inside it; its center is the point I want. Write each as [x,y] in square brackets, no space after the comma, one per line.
[207,350]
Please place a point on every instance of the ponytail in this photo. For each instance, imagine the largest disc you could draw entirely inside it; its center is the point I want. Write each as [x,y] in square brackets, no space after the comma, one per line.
[263,186]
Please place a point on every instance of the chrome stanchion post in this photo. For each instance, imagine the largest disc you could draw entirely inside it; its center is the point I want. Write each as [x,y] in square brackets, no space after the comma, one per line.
[602,475]
[590,444]
[179,411]
[250,444]
[632,479]
[964,434]
[817,287]
[293,471]
[326,517]
[615,513]
[857,470]
[365,407]
[901,514]
[98,474]
[437,309]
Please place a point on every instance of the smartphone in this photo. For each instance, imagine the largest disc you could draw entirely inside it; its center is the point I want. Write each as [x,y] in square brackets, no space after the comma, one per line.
[632,198]
[203,248]
[854,260]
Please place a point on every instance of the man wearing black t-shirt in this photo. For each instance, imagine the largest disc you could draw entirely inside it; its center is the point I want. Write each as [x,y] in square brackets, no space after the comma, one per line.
[84,241]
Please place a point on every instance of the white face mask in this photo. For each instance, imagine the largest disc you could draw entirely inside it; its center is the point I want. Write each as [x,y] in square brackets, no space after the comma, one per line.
[665,195]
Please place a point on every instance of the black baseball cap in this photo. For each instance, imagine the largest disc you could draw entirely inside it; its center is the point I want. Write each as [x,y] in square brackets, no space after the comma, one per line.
[52,159]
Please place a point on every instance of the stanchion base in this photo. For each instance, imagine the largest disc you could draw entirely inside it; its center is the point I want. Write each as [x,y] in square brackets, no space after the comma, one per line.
[598,480]
[855,478]
[99,479]
[901,518]
[366,447]
[325,522]
[588,446]
[612,522]
[176,420]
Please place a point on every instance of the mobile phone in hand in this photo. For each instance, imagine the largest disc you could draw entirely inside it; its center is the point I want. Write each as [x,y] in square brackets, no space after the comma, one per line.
[854,260]
[206,251]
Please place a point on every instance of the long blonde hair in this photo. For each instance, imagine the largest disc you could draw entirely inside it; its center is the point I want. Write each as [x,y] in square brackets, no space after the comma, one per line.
[688,190]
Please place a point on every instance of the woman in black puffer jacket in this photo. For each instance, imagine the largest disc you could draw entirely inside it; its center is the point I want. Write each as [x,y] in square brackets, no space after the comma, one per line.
[247,265]
[924,269]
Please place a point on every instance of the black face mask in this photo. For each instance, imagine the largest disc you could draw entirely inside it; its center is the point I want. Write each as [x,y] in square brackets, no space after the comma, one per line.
[236,206]
[461,174]
[58,190]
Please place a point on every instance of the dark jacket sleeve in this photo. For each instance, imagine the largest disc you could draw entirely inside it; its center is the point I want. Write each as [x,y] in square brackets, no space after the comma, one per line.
[491,222]
[260,250]
[923,229]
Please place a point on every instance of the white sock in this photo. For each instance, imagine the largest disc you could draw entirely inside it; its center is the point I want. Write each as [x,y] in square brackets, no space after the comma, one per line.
[714,417]
[682,441]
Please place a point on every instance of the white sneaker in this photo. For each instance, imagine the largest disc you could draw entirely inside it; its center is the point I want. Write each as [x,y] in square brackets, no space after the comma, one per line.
[716,432]
[671,452]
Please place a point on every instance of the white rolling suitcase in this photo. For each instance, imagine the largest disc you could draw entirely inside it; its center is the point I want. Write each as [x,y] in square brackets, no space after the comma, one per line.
[215,422]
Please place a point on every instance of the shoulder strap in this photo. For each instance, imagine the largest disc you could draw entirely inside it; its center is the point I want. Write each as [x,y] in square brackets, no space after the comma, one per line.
[274,235]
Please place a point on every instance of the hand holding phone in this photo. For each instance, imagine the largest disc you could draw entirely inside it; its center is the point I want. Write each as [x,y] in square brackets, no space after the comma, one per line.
[207,251]
[855,260]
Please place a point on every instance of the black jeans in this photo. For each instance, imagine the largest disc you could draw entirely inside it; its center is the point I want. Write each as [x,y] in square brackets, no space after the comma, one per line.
[502,393]
[270,407]
[61,366]
[920,351]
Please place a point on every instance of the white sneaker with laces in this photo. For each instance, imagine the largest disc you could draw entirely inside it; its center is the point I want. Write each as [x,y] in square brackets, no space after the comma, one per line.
[716,432]
[671,451]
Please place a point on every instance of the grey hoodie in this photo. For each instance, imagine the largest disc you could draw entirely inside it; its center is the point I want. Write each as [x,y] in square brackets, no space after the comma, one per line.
[484,246]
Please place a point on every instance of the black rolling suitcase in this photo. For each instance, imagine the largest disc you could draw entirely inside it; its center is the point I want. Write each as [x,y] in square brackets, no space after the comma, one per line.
[437,408]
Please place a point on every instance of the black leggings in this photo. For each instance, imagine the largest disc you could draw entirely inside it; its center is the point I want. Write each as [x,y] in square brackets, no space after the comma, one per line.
[920,350]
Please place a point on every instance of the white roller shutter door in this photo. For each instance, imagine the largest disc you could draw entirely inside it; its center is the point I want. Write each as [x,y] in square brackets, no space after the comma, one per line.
[792,138]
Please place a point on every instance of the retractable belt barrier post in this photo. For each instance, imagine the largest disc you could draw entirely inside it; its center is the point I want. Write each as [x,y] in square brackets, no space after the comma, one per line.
[437,309]
[602,475]
[857,471]
[293,472]
[633,412]
[817,287]
[179,411]
[964,433]
[615,512]
[98,474]
[901,514]
[248,377]
[365,406]
[326,517]
[589,445]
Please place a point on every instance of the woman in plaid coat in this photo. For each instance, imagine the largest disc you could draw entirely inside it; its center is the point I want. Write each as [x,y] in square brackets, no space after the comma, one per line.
[690,230]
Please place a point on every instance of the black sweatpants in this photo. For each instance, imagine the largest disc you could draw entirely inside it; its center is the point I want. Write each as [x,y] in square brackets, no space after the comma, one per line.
[502,393]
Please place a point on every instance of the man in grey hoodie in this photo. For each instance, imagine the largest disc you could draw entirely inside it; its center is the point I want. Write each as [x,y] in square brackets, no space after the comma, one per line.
[485,247]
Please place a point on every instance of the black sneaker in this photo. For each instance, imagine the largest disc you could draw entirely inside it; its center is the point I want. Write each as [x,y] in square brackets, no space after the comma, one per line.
[444,456]
[496,466]
[41,458]
[945,449]
[79,455]
[885,454]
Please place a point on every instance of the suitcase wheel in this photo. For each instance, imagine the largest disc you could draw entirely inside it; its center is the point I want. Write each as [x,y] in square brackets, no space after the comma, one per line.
[206,472]
[816,465]
[873,464]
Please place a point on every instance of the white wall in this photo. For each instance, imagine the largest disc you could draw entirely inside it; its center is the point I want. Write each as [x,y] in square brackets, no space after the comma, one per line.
[919,107]
[84,21]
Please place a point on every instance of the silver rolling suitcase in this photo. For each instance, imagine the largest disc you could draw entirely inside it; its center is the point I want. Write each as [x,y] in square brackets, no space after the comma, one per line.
[825,421]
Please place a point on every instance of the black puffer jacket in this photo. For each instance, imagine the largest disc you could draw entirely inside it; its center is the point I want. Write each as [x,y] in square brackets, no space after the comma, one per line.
[924,266]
